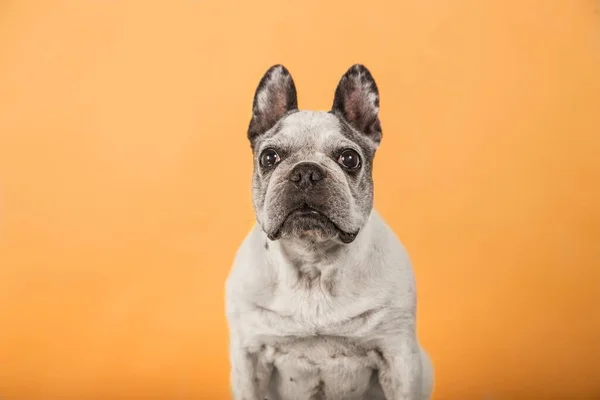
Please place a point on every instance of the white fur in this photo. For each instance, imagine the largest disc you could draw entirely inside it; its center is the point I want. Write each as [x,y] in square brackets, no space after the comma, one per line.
[321,324]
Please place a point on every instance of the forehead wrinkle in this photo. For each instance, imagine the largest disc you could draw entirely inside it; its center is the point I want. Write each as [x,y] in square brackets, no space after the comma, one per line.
[309,121]
[311,129]
[350,133]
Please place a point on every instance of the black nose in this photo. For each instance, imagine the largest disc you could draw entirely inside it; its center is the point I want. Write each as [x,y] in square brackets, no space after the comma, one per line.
[305,175]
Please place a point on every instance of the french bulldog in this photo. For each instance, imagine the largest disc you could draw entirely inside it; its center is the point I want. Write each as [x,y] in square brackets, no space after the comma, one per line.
[321,298]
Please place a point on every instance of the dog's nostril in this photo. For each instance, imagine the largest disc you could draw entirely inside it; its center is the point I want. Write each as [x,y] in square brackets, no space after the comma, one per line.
[316,175]
[305,175]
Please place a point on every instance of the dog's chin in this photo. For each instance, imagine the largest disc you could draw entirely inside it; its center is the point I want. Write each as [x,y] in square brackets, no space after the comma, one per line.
[312,226]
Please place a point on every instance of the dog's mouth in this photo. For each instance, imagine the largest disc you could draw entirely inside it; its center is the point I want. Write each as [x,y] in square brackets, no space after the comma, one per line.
[306,211]
[307,218]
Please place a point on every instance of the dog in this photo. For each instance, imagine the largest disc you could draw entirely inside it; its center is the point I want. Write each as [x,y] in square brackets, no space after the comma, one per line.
[321,299]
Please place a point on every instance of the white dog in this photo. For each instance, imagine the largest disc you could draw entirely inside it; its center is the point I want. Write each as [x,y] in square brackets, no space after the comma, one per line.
[321,298]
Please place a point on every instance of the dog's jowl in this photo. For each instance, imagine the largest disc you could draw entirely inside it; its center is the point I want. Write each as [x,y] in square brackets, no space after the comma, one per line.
[321,297]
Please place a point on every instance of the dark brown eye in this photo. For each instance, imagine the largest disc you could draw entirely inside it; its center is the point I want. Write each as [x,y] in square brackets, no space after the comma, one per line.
[349,159]
[269,157]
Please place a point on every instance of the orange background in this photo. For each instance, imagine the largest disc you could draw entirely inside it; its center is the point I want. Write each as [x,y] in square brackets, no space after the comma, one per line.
[125,184]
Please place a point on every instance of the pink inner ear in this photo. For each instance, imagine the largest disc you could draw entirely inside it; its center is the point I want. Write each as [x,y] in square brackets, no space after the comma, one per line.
[277,102]
[358,110]
[280,105]
[353,105]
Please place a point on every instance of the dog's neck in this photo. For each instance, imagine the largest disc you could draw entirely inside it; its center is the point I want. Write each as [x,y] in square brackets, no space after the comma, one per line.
[310,252]
[320,257]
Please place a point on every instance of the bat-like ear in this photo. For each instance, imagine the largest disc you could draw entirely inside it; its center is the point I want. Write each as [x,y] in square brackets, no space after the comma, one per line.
[357,101]
[275,96]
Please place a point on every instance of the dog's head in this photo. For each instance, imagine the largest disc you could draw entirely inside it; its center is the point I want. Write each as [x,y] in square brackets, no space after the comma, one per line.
[312,170]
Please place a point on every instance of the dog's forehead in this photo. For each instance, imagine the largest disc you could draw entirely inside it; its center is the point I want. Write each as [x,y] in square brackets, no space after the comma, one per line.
[310,127]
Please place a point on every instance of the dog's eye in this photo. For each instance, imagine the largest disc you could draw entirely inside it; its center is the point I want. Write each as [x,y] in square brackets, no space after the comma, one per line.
[349,159]
[269,157]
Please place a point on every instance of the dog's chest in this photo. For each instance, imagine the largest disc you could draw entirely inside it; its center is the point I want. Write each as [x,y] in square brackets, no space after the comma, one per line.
[322,368]
[317,342]
[316,310]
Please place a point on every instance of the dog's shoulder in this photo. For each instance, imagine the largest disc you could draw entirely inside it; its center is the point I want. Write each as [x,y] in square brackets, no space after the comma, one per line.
[392,266]
[250,267]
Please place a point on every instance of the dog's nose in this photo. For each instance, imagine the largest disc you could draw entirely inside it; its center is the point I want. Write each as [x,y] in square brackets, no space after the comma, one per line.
[305,175]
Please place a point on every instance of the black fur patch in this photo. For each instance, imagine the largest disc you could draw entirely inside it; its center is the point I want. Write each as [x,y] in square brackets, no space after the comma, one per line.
[319,393]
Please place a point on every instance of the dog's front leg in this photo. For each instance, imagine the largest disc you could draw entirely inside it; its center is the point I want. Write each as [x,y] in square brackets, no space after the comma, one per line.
[400,370]
[250,372]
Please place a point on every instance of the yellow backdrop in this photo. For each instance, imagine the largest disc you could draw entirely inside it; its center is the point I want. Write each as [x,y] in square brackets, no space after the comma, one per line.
[125,184]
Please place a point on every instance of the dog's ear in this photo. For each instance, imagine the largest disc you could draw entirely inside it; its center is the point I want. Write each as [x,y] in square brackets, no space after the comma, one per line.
[275,96]
[357,101]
